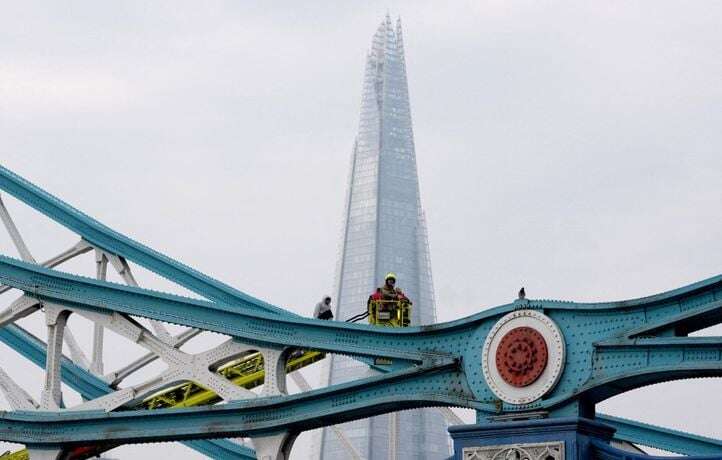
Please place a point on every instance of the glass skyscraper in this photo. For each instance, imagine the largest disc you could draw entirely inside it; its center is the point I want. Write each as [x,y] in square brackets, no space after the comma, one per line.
[384,231]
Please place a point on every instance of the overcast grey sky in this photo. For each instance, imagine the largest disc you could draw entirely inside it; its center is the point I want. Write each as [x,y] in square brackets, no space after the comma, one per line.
[570,147]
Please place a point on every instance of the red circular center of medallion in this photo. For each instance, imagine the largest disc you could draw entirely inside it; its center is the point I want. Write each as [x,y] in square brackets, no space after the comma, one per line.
[521,356]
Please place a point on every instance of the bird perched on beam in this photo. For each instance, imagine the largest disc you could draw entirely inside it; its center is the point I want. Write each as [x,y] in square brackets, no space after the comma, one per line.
[522,293]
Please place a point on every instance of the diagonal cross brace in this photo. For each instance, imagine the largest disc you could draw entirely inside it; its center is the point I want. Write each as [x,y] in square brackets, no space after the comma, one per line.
[586,326]
[93,295]
[259,417]
[102,236]
[89,386]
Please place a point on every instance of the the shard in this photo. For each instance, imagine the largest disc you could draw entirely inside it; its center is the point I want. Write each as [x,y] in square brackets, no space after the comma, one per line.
[384,231]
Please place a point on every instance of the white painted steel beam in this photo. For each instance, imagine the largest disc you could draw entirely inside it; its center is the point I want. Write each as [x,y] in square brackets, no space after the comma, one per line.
[52,396]
[182,367]
[18,398]
[303,384]
[76,353]
[45,454]
[275,447]
[79,248]
[15,234]
[450,416]
[114,378]
[121,266]
[20,308]
[101,272]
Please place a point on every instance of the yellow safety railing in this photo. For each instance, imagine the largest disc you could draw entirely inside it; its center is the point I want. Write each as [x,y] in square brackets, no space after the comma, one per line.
[391,313]
[246,372]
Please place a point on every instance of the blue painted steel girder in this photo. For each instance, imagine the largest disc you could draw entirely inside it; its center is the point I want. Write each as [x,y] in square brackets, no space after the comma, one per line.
[119,244]
[647,363]
[258,417]
[427,345]
[89,387]
[662,438]
[588,329]
[607,452]
[413,345]
[611,347]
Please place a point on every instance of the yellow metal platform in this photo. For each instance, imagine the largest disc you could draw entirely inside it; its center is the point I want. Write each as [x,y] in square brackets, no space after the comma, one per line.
[246,372]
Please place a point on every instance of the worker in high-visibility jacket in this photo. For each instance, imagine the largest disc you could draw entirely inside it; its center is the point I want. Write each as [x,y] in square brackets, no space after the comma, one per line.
[389,291]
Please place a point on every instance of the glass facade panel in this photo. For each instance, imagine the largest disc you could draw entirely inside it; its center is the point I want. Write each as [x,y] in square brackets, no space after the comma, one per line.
[384,230]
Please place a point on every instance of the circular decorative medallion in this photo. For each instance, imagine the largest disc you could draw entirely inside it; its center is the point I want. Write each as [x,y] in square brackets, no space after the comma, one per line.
[523,356]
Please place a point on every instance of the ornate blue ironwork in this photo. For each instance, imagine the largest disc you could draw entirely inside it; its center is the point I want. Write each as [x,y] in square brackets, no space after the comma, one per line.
[90,386]
[610,348]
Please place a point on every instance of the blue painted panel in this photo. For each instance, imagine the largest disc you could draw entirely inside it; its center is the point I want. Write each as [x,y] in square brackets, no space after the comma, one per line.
[576,433]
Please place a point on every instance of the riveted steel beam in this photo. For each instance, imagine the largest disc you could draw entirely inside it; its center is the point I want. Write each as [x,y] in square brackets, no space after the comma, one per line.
[662,438]
[586,325]
[81,247]
[252,418]
[93,295]
[116,243]
[600,349]
[90,387]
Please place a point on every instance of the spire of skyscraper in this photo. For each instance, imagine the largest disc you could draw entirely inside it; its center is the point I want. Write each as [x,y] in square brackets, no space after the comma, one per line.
[384,230]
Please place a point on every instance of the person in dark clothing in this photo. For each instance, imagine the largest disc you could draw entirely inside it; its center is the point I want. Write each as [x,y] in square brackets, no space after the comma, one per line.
[323,309]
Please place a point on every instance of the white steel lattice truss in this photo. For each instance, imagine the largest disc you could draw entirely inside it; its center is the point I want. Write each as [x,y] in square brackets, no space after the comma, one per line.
[160,345]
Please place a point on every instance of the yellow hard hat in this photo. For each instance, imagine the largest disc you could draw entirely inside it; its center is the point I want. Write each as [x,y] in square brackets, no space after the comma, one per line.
[390,275]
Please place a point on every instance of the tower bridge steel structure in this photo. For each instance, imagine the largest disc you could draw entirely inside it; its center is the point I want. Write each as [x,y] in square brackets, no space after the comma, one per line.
[590,352]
